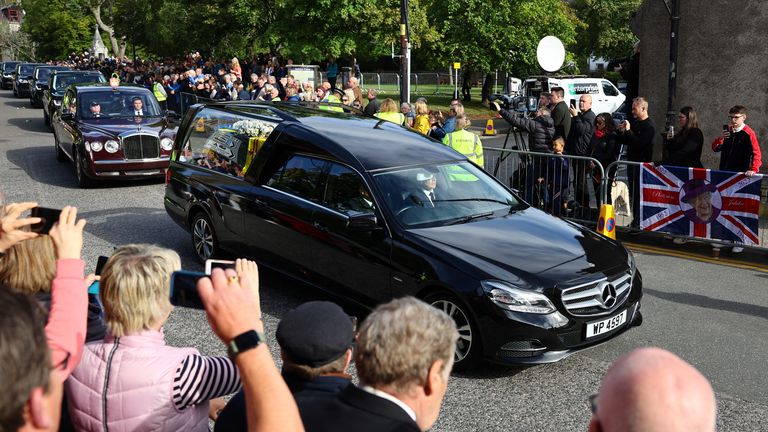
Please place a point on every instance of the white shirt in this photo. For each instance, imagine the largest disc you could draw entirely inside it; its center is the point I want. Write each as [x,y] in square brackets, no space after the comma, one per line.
[429,194]
[138,113]
[384,395]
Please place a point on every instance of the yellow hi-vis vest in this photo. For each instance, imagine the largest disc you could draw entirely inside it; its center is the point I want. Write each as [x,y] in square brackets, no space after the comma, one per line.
[159,92]
[466,143]
[331,99]
[394,117]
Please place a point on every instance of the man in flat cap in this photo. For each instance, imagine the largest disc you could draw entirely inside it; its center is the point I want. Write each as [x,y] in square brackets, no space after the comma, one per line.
[316,347]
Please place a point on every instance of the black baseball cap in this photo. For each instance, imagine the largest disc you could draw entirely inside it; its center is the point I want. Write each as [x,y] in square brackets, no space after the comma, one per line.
[315,333]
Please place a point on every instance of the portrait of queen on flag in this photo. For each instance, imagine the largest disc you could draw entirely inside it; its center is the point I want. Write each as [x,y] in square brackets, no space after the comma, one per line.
[698,202]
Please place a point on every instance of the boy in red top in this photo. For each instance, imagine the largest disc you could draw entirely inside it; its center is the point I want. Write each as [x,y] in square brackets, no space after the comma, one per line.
[740,151]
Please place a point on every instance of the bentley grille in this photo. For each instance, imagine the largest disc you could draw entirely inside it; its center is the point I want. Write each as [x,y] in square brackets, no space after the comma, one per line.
[599,297]
[141,147]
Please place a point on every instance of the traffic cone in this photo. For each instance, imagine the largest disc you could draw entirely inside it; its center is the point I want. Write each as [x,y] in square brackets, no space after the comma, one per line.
[489,130]
[606,223]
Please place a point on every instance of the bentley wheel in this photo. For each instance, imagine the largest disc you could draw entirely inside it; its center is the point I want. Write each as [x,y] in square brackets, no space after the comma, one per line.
[82,179]
[204,238]
[468,348]
[60,156]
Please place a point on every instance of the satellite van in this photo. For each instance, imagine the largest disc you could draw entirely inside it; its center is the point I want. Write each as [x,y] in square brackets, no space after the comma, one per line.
[605,96]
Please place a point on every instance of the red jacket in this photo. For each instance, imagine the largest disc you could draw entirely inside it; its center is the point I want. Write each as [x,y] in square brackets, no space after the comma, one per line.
[740,151]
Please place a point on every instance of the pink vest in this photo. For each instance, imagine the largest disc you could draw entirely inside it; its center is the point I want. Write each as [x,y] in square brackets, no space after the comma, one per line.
[126,384]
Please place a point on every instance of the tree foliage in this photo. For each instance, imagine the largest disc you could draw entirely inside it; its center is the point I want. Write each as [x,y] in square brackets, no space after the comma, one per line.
[58,27]
[606,32]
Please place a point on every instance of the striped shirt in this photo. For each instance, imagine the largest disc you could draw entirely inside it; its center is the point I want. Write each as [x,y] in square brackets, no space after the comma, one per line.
[199,379]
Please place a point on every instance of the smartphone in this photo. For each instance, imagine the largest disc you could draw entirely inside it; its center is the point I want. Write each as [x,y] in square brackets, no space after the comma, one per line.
[573,103]
[49,217]
[184,289]
[94,288]
[726,128]
[222,264]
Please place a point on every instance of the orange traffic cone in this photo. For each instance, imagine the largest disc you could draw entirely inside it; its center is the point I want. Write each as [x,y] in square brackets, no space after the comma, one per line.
[606,223]
[489,130]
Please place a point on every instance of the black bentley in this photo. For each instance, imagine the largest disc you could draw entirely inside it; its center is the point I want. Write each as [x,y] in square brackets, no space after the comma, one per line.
[58,82]
[21,76]
[39,83]
[8,68]
[112,133]
[369,210]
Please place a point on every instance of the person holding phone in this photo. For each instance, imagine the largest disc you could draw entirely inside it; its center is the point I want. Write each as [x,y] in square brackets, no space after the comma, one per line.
[579,144]
[684,149]
[149,385]
[738,146]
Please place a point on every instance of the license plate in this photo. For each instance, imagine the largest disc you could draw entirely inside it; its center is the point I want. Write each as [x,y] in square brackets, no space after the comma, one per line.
[596,328]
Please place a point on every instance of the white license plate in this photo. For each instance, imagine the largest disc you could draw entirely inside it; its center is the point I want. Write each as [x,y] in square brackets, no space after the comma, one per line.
[596,328]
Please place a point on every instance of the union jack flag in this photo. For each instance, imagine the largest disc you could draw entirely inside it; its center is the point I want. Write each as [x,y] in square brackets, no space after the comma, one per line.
[703,203]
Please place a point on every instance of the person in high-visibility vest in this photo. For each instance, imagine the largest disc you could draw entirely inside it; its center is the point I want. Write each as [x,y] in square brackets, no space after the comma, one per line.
[324,95]
[388,111]
[465,142]
[159,90]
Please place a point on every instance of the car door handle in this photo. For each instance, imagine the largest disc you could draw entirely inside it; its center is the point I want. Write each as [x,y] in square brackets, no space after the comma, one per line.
[320,227]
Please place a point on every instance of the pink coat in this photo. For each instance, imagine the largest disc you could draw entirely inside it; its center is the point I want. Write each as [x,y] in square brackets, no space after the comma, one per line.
[137,395]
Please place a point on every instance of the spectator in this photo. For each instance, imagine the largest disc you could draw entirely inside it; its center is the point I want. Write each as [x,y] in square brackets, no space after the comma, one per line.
[373,104]
[421,121]
[684,149]
[308,95]
[242,93]
[465,142]
[142,382]
[436,130]
[738,146]
[560,113]
[640,137]
[315,345]
[232,306]
[556,179]
[651,389]
[356,92]
[388,112]
[331,71]
[405,108]
[578,144]
[456,111]
[545,101]
[604,147]
[235,68]
[291,96]
[404,356]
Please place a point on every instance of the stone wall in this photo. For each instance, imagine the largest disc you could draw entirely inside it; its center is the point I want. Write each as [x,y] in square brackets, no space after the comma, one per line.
[722,61]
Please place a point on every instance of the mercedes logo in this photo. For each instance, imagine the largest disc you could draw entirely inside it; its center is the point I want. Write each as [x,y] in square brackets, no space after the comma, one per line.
[607,294]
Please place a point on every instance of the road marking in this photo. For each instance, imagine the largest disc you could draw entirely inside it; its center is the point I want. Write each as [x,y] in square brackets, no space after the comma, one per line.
[722,261]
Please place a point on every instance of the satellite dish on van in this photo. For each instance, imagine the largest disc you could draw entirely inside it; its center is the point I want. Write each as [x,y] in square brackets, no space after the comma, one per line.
[550,54]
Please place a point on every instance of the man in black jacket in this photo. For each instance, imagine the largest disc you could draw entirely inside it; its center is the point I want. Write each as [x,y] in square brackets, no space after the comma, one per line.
[560,113]
[640,138]
[578,144]
[404,356]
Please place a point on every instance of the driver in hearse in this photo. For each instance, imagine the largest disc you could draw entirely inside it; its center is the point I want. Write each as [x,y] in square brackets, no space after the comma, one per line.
[425,194]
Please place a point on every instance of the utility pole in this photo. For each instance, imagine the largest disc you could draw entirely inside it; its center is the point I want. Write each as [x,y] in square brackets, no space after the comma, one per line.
[674,36]
[405,51]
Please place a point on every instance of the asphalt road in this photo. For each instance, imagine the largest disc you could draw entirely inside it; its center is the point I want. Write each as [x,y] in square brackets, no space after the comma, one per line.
[714,316]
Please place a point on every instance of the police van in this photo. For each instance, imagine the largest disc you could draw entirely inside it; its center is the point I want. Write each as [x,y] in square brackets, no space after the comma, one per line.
[605,96]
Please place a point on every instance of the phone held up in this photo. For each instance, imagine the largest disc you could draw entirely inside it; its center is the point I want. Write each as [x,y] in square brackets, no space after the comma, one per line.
[49,217]
[94,288]
[184,284]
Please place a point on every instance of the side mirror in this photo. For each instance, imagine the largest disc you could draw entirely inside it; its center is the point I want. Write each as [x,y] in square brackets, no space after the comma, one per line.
[363,222]
[67,116]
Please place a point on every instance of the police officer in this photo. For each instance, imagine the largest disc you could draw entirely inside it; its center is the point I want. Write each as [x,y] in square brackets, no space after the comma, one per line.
[465,142]
[160,94]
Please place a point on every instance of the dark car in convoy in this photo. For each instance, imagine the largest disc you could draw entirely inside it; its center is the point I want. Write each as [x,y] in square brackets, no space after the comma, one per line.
[21,77]
[39,83]
[112,133]
[58,82]
[343,203]
[8,68]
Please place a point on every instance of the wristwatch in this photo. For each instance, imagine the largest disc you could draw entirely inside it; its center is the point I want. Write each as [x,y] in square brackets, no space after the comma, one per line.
[244,342]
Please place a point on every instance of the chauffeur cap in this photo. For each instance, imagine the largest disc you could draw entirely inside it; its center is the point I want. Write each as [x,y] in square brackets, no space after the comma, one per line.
[315,333]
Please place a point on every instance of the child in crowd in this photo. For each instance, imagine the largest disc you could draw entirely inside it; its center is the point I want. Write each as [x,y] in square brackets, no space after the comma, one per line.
[556,178]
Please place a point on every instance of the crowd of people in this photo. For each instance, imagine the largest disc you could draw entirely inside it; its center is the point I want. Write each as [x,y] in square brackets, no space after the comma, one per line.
[598,136]
[74,362]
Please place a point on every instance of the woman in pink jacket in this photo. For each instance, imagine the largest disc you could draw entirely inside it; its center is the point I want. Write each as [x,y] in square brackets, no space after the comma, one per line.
[132,380]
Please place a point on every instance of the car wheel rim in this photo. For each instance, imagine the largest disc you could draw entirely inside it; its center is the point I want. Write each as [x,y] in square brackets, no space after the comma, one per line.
[464,343]
[203,239]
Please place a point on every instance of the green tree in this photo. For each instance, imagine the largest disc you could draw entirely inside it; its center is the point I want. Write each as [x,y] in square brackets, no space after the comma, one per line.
[58,27]
[606,32]
[17,43]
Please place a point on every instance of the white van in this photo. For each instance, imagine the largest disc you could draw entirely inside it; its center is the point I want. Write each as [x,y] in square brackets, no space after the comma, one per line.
[605,96]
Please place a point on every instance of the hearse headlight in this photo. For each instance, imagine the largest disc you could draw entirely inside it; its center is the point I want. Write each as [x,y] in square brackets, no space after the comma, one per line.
[515,299]
[96,146]
[166,144]
[22,81]
[111,146]
[57,103]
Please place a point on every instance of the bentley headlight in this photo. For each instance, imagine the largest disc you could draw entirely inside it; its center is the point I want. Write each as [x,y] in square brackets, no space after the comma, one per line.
[166,144]
[96,146]
[111,146]
[57,103]
[515,299]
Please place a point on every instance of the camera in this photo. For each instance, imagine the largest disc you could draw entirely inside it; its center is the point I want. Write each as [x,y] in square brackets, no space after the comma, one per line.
[520,104]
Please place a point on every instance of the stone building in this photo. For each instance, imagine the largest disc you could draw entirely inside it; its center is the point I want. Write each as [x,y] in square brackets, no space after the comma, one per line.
[98,49]
[723,46]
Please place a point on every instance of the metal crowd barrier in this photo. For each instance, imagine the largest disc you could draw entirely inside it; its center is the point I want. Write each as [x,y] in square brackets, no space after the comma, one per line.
[538,177]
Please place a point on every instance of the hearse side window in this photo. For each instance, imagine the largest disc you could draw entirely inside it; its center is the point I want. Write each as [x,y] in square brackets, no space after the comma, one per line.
[299,176]
[223,141]
[346,193]
[609,89]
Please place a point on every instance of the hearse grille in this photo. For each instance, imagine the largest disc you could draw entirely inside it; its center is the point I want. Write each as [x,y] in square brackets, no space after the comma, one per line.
[597,297]
[141,146]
